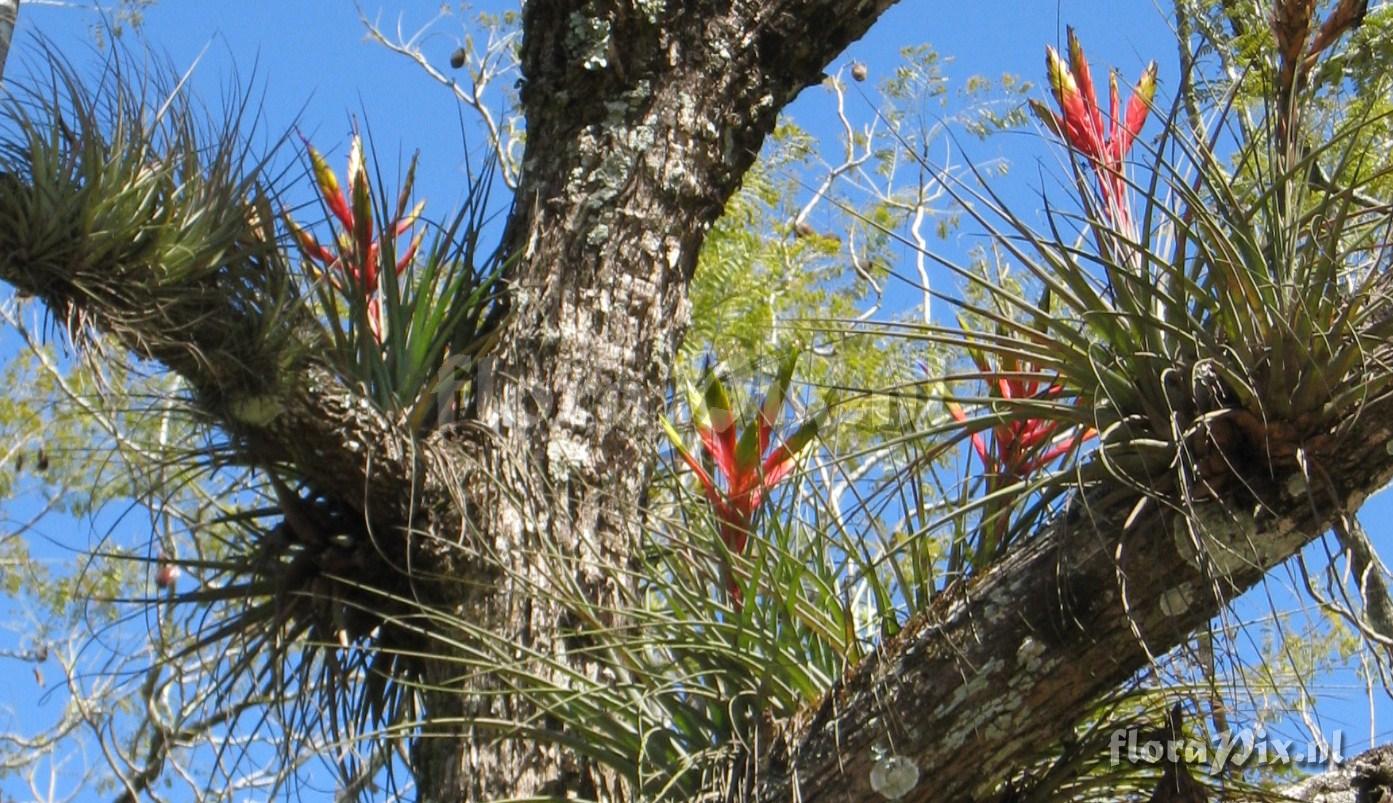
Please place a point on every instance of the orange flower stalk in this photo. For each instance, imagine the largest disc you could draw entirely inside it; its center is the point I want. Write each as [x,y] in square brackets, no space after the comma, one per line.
[1021,447]
[745,468]
[1012,450]
[1104,142]
[356,240]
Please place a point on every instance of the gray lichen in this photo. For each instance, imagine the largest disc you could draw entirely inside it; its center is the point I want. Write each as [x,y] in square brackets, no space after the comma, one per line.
[1219,538]
[618,155]
[1176,601]
[566,455]
[588,38]
[651,10]
[1028,654]
[256,411]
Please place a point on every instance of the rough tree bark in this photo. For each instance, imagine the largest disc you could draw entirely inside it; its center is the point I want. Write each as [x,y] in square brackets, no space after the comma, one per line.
[641,120]
[642,117]
[1365,778]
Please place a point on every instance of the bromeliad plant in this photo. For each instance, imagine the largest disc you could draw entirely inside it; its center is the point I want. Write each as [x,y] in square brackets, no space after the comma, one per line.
[1220,332]
[1035,422]
[414,317]
[740,469]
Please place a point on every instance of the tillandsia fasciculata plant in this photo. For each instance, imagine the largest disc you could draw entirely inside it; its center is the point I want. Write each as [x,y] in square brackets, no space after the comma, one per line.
[1204,316]
[406,320]
[739,469]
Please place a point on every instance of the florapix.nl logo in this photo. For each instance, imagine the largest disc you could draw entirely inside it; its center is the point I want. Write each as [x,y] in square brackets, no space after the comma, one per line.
[1241,748]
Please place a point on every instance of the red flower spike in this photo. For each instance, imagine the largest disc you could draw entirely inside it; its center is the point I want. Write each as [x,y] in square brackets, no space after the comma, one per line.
[702,476]
[1015,450]
[1047,118]
[1061,80]
[723,434]
[355,235]
[1075,119]
[1059,449]
[979,444]
[745,469]
[1084,77]
[355,162]
[1137,108]
[1006,387]
[1080,123]
[781,461]
[310,246]
[362,227]
[329,186]
[410,255]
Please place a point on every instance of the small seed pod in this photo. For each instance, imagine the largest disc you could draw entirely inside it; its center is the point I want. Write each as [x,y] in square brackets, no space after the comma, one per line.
[167,574]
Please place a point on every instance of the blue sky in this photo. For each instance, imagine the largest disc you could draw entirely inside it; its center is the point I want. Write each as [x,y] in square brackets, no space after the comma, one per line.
[310,61]
[315,66]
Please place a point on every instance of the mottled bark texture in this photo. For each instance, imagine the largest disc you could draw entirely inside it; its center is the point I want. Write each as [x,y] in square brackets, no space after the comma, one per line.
[641,119]
[1366,778]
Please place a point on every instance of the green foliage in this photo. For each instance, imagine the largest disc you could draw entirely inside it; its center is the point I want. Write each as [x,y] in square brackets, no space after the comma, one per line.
[125,194]
[756,285]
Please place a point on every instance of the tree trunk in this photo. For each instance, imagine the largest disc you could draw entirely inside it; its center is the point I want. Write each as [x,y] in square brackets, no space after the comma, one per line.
[641,120]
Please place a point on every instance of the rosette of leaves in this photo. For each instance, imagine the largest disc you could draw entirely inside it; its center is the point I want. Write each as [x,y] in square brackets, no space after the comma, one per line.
[404,319]
[1221,317]
[124,193]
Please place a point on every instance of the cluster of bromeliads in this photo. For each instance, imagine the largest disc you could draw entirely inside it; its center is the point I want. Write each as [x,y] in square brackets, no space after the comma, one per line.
[738,469]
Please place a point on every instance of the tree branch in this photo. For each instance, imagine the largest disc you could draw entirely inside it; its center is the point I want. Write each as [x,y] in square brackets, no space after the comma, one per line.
[1366,778]
[484,68]
[9,15]
[997,672]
